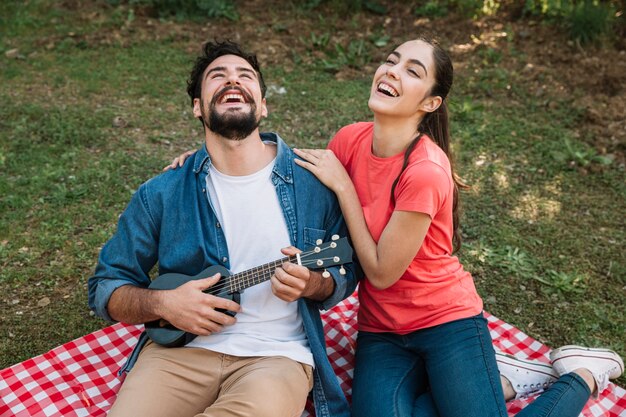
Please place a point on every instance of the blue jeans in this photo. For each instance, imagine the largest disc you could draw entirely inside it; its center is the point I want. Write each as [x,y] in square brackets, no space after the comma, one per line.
[448,370]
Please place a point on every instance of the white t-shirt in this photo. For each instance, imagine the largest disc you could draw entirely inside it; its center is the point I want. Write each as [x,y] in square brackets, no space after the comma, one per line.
[255,229]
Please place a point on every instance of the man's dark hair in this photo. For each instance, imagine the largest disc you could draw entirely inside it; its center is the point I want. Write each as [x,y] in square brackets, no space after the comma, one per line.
[212,51]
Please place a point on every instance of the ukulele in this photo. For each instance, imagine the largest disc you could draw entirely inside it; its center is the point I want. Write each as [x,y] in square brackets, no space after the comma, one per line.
[323,255]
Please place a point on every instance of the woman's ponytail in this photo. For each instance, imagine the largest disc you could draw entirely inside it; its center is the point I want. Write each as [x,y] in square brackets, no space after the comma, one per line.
[436,126]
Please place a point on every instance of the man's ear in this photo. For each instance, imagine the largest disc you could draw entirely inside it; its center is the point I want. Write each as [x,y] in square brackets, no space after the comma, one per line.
[264,111]
[430,104]
[197,108]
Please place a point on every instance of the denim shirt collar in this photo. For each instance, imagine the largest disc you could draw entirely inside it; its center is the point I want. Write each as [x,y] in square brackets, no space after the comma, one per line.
[283,168]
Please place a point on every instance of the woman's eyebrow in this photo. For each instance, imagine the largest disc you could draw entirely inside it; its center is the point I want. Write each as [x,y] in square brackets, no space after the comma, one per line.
[418,62]
[412,61]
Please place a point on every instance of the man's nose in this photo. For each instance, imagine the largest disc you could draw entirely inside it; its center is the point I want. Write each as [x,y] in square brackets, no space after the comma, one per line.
[233,78]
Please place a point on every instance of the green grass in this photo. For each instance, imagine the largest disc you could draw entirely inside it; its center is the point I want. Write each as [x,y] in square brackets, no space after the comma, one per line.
[543,225]
[543,238]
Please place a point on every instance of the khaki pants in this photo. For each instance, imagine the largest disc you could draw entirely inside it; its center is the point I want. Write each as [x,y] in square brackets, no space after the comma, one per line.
[186,382]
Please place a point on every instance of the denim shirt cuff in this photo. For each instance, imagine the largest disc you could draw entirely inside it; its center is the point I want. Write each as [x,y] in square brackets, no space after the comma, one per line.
[103,294]
[339,292]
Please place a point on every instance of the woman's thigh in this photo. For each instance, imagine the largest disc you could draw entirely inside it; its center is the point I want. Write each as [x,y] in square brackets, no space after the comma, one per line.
[462,370]
[387,377]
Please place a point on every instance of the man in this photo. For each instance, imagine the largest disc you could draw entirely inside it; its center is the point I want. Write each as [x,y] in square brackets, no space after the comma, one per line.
[236,203]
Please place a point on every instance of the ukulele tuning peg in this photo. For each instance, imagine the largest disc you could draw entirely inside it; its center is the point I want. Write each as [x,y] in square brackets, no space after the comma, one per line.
[319,241]
[326,274]
[342,270]
[335,237]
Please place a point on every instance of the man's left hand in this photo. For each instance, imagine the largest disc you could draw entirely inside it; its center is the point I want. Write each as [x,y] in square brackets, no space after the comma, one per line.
[291,282]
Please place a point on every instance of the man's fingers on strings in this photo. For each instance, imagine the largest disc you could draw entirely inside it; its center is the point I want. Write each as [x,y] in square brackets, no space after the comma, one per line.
[290,270]
[290,250]
[282,291]
[279,284]
[291,282]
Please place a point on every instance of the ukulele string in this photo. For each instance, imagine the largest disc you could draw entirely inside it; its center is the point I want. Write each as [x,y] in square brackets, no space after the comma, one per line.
[226,281]
[251,273]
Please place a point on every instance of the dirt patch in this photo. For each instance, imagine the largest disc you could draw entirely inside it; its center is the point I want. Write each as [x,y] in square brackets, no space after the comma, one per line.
[591,77]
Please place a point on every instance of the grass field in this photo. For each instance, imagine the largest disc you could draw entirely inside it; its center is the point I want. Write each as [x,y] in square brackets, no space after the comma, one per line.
[87,115]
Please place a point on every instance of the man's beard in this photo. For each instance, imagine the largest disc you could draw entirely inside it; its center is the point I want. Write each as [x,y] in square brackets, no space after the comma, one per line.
[231,125]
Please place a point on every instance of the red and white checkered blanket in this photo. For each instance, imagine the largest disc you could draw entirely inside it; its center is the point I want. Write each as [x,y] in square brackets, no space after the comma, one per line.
[80,378]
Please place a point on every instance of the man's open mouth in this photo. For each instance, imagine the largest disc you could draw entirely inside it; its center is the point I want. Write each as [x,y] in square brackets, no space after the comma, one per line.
[232,98]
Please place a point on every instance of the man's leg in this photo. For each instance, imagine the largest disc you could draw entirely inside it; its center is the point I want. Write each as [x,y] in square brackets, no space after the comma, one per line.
[262,387]
[169,382]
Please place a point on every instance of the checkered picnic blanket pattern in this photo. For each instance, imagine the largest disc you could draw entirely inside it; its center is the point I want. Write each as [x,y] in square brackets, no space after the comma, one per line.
[80,378]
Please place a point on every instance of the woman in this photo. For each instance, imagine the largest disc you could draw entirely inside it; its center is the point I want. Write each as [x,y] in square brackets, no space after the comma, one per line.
[424,348]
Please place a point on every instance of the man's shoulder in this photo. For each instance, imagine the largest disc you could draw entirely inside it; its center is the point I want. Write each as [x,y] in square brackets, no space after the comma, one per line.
[171,181]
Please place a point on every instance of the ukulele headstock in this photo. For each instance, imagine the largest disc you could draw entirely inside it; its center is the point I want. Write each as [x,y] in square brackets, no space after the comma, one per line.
[327,254]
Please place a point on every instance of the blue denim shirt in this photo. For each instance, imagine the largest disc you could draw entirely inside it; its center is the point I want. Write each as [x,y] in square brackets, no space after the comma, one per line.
[170,220]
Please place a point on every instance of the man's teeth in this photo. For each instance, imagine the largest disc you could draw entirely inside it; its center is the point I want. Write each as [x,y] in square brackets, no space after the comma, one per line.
[385,88]
[232,98]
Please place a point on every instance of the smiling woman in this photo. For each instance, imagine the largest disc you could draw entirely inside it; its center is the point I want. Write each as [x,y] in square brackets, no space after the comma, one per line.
[423,346]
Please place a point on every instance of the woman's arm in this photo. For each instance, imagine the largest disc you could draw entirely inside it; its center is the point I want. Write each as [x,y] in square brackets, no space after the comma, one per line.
[383,263]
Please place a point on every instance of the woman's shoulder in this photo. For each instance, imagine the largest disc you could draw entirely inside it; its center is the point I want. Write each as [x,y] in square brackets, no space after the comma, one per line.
[352,134]
[428,150]
[428,166]
[355,130]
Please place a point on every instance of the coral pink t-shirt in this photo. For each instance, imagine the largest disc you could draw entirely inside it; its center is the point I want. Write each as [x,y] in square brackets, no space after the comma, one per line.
[435,288]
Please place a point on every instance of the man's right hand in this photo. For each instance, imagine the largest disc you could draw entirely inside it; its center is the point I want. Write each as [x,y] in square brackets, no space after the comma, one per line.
[188,308]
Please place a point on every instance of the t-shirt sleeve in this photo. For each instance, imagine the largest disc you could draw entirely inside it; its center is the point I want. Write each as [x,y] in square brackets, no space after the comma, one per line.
[339,144]
[423,188]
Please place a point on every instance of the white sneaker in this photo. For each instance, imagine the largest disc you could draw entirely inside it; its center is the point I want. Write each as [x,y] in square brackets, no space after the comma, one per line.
[604,364]
[526,377]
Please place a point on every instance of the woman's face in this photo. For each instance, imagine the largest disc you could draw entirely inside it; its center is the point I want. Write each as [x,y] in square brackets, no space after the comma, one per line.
[402,84]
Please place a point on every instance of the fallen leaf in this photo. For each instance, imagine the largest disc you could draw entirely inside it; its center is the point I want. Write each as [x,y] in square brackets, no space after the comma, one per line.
[13,54]
[118,121]
[43,302]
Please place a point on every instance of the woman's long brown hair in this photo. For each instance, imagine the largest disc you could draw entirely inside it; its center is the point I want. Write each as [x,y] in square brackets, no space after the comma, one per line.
[436,126]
